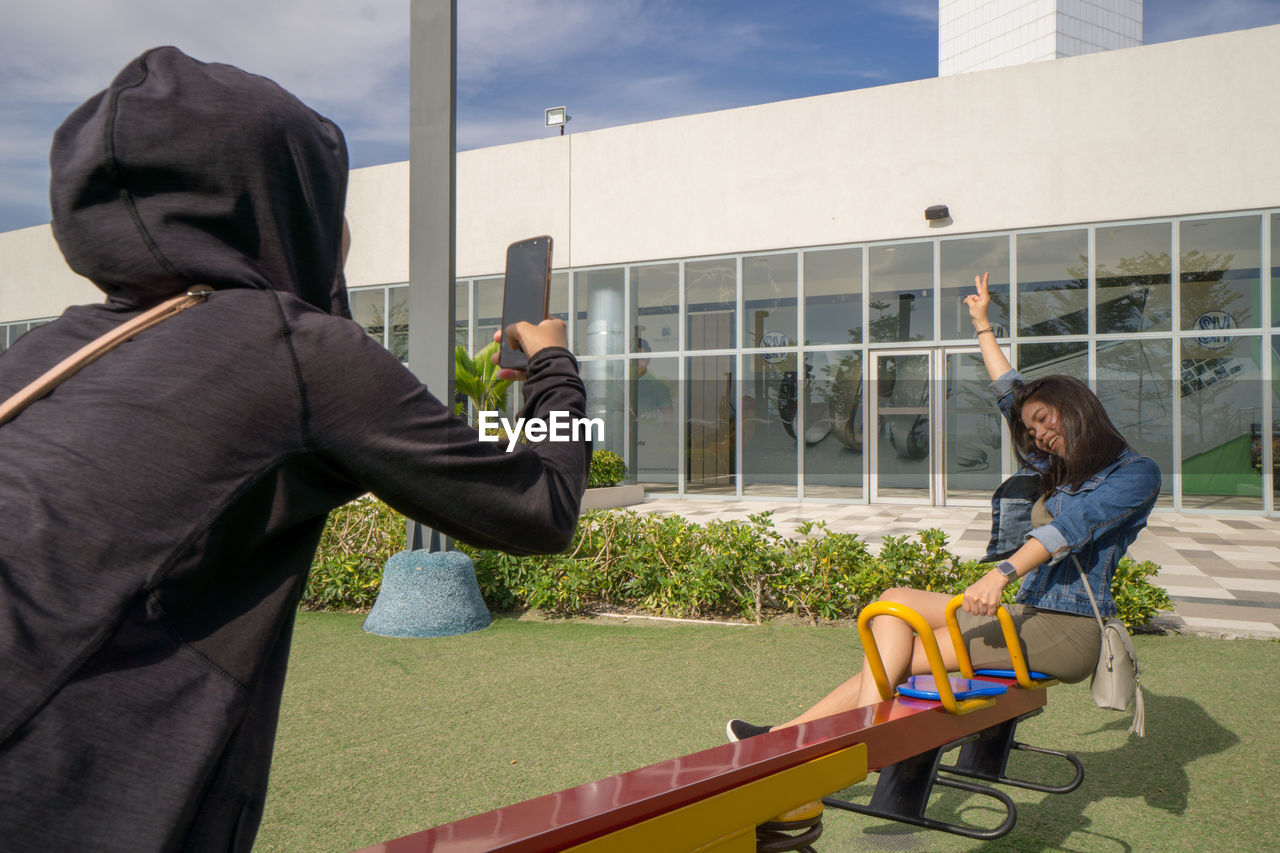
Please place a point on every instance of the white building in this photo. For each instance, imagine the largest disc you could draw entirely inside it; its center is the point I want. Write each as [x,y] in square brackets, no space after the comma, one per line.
[762,307]
[978,35]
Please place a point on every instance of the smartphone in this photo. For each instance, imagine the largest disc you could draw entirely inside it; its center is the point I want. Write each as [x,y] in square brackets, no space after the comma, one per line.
[525,294]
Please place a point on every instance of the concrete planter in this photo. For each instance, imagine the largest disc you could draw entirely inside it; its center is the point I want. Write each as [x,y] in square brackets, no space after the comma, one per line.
[606,497]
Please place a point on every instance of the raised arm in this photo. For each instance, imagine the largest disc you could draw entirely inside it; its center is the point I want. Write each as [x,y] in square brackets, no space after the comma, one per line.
[978,303]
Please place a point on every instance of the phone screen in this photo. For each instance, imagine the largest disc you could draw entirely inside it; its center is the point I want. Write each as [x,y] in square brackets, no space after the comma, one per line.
[525,292]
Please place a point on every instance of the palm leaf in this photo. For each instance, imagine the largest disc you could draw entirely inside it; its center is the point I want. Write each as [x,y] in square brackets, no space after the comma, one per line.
[476,377]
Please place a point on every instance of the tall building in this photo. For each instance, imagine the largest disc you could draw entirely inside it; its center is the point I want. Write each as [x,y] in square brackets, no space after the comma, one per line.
[977,35]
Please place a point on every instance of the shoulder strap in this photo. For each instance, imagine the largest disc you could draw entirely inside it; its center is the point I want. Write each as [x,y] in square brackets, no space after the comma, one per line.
[95,349]
[1085,580]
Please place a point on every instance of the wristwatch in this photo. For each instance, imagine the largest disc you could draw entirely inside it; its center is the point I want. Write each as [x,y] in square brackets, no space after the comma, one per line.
[1009,570]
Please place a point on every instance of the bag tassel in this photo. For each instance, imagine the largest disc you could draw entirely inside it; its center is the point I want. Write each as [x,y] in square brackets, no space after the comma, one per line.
[1139,726]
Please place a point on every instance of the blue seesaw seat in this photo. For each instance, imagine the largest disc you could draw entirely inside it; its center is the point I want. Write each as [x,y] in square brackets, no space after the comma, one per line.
[926,687]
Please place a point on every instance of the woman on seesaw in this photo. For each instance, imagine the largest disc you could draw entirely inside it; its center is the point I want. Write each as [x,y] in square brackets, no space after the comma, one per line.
[1081,492]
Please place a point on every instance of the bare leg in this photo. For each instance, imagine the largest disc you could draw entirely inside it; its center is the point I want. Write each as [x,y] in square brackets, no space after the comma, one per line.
[900,649]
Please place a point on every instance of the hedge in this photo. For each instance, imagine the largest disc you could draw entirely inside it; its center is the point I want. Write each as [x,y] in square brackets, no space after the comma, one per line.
[669,566]
[606,469]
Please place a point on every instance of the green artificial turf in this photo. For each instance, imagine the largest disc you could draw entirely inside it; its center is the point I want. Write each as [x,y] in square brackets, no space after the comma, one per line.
[382,737]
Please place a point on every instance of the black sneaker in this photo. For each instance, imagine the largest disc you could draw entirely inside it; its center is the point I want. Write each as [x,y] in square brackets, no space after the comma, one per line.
[737,730]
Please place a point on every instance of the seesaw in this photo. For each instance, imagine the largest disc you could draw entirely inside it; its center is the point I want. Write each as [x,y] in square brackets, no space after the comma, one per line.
[904,787]
[762,794]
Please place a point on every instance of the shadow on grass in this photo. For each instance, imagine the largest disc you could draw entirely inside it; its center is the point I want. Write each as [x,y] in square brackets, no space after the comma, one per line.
[1151,769]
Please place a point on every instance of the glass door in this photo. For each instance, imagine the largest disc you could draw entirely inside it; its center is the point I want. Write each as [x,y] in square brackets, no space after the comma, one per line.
[975,435]
[902,469]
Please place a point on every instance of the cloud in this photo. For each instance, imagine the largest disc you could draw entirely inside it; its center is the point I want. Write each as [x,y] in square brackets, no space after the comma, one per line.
[639,60]
[915,11]
[65,50]
[501,41]
[349,60]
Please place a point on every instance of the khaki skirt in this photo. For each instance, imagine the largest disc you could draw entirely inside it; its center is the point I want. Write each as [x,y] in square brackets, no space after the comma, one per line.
[1063,645]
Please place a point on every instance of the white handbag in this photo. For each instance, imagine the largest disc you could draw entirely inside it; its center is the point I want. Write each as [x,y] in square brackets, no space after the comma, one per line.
[1115,681]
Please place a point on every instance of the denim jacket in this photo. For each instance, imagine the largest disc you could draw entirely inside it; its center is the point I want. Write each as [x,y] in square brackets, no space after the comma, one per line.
[1094,523]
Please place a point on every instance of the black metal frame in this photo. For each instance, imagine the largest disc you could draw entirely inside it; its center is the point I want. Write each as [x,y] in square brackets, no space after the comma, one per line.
[987,757]
[903,790]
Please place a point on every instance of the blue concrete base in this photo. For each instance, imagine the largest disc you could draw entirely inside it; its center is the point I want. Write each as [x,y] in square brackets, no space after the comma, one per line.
[428,594]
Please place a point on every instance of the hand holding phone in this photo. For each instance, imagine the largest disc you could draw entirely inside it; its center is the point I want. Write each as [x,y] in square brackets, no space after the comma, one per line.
[525,294]
[551,332]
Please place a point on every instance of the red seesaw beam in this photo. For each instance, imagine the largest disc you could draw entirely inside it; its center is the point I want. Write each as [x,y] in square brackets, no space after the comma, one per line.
[893,730]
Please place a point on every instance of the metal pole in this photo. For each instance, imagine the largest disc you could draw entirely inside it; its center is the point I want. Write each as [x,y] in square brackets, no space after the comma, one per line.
[433,49]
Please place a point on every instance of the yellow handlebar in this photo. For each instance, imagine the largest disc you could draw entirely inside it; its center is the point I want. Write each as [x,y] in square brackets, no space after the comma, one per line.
[1020,670]
[930,643]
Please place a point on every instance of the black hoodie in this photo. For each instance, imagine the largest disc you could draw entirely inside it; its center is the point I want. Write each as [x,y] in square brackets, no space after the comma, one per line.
[159,510]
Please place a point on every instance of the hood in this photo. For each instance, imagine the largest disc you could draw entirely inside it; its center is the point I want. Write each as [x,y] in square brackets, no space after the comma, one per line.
[184,172]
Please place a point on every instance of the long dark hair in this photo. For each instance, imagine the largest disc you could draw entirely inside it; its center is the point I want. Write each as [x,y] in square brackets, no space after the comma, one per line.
[1092,440]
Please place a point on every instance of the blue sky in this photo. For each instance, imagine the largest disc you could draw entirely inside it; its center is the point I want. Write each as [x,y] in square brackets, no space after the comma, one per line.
[610,61]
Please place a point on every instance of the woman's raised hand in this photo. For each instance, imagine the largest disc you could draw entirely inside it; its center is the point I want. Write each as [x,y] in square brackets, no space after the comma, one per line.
[978,302]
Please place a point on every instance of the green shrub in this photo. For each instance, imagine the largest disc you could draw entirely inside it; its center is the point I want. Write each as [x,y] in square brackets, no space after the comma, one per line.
[672,567]
[607,469]
[1137,599]
[669,566]
[358,539]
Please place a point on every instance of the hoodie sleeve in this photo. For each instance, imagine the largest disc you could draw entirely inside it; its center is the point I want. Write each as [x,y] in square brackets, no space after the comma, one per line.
[368,414]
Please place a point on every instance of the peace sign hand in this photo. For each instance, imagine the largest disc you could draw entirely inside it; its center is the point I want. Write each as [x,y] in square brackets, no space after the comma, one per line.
[978,302]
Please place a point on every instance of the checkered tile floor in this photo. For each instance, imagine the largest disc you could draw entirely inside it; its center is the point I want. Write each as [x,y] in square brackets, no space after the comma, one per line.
[1222,572]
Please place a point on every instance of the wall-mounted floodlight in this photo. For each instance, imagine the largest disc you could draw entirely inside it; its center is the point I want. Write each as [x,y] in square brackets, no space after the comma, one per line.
[936,212]
[558,117]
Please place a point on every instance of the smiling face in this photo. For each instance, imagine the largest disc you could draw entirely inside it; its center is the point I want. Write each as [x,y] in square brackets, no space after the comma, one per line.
[1044,427]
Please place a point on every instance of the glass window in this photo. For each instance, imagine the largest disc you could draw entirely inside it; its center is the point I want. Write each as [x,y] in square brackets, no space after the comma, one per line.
[961,260]
[833,431]
[833,296]
[398,298]
[1135,384]
[1070,358]
[461,320]
[601,315]
[973,424]
[10,332]
[901,285]
[1221,412]
[769,318]
[655,453]
[711,293]
[558,299]
[1259,456]
[488,317]
[1219,273]
[711,421]
[1275,269]
[367,309]
[606,390]
[1053,283]
[903,390]
[1133,277]
[771,407]
[655,308]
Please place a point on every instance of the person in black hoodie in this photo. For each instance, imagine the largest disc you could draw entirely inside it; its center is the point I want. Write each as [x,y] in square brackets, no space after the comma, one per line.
[160,509]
